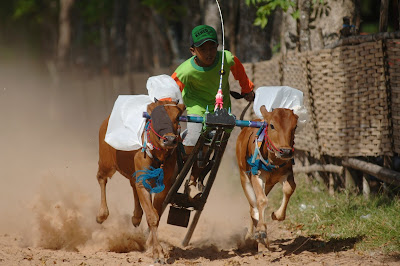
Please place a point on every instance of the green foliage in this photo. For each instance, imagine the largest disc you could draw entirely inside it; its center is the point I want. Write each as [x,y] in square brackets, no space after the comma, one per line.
[36,10]
[172,10]
[24,7]
[375,223]
[266,7]
[276,49]
[95,11]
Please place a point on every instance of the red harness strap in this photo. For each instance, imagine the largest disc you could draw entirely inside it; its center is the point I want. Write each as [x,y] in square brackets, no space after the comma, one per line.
[152,129]
[270,143]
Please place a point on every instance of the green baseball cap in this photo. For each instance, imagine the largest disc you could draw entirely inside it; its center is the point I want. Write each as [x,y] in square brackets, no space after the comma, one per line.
[202,34]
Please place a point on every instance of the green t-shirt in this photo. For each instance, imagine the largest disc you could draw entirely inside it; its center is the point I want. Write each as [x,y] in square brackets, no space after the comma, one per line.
[202,83]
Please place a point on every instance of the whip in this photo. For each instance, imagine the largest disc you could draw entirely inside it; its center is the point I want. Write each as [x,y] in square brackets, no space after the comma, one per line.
[219,97]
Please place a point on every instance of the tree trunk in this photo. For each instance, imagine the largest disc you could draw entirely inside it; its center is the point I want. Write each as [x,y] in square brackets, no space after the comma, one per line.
[253,43]
[383,16]
[231,13]
[64,39]
[118,37]
[319,24]
[304,25]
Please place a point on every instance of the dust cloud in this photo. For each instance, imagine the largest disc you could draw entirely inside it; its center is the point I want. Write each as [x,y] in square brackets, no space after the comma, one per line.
[49,194]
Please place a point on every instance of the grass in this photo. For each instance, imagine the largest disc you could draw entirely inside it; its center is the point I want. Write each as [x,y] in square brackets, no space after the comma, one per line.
[375,223]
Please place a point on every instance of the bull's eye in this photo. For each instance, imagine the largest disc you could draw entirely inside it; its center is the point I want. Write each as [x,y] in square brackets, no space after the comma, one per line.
[272,126]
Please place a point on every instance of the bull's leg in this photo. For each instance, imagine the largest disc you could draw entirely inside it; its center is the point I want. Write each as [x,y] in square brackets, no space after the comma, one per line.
[258,186]
[102,177]
[251,198]
[152,218]
[253,222]
[268,188]
[159,199]
[288,187]
[138,211]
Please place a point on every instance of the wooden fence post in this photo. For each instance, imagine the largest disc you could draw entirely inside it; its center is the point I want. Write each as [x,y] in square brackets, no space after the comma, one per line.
[366,187]
[331,186]
[350,183]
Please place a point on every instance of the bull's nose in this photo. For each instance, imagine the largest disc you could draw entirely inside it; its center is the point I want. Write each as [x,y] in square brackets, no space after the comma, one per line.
[170,140]
[286,152]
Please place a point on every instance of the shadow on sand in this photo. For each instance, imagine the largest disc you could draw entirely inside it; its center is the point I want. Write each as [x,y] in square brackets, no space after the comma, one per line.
[284,247]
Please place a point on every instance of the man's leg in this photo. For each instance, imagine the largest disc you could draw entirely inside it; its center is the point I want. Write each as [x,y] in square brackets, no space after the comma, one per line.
[193,134]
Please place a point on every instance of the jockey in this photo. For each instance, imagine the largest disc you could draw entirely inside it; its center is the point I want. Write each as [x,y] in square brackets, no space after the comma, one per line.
[198,79]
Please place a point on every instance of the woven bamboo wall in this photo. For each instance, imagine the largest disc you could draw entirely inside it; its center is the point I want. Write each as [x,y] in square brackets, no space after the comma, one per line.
[268,73]
[350,100]
[294,72]
[346,95]
[393,52]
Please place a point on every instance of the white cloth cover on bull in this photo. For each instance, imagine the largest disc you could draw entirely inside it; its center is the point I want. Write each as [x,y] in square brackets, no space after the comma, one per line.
[281,97]
[126,123]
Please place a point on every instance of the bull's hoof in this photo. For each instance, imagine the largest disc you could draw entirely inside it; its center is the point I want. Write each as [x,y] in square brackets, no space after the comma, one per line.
[264,248]
[136,221]
[260,235]
[273,216]
[100,218]
[262,241]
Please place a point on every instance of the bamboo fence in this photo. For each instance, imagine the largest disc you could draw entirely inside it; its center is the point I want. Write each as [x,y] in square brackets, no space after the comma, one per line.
[351,92]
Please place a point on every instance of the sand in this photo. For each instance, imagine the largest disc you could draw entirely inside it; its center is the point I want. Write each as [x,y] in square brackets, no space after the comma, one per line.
[49,194]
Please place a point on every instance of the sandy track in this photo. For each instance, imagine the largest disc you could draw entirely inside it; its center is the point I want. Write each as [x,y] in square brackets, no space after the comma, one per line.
[49,194]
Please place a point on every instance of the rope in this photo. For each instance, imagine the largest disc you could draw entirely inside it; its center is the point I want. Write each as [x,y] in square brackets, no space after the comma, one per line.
[157,173]
[269,142]
[147,142]
[260,165]
[152,129]
[263,164]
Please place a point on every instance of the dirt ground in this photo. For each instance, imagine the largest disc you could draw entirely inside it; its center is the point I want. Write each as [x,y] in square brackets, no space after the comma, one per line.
[49,193]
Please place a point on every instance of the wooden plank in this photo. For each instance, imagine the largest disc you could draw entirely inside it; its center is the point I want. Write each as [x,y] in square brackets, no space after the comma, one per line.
[384,174]
[318,168]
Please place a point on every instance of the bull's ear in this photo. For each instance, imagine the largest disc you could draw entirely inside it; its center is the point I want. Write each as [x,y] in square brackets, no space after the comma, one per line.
[155,99]
[150,108]
[264,112]
[177,101]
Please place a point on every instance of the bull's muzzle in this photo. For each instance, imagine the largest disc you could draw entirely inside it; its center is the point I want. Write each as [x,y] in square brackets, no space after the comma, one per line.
[286,153]
[170,140]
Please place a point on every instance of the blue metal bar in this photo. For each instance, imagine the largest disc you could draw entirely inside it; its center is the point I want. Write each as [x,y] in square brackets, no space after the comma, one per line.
[196,119]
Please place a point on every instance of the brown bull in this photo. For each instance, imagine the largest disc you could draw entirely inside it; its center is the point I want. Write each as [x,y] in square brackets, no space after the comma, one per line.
[275,154]
[163,136]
